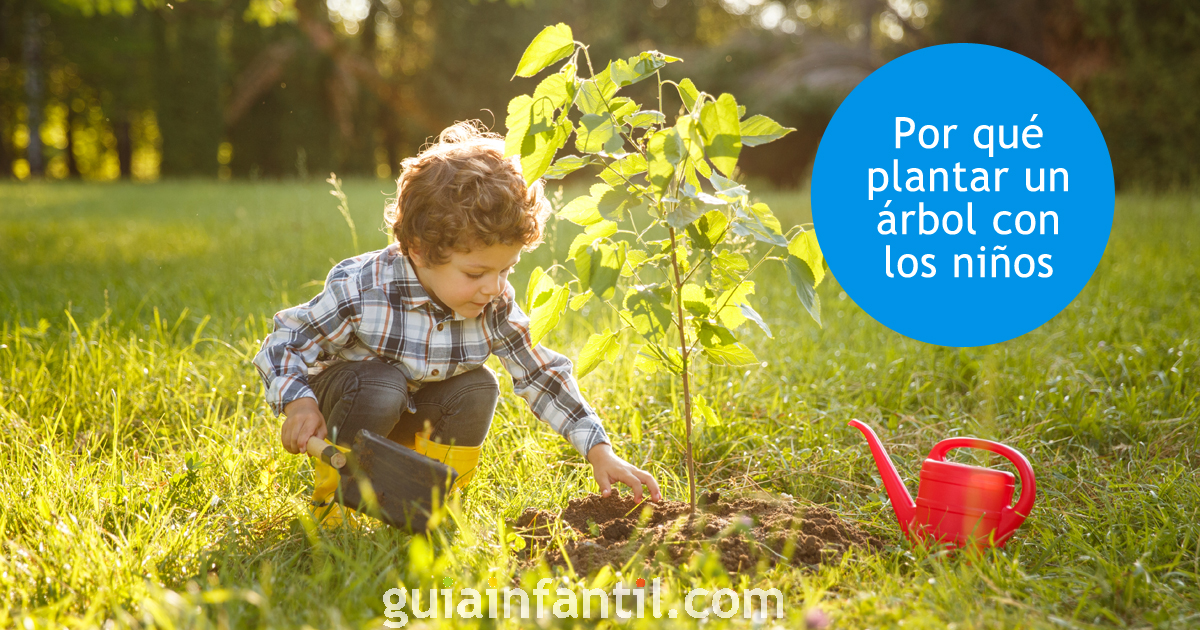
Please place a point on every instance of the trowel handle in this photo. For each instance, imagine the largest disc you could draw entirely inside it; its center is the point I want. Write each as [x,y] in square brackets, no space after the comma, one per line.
[325,451]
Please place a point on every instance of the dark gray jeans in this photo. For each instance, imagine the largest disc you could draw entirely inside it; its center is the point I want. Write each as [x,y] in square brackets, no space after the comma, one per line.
[373,395]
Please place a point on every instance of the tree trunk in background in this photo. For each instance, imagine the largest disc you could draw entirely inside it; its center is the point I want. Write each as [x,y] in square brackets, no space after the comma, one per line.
[5,135]
[72,164]
[359,152]
[33,95]
[391,139]
[121,129]
[188,89]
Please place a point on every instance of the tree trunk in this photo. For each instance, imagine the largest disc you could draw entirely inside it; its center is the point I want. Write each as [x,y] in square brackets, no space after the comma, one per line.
[124,146]
[5,136]
[188,89]
[72,163]
[687,389]
[33,95]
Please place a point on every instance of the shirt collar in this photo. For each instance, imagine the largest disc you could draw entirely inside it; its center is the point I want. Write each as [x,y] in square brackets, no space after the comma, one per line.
[409,288]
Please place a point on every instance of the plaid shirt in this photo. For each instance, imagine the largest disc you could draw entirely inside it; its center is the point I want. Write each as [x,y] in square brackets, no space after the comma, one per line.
[374,308]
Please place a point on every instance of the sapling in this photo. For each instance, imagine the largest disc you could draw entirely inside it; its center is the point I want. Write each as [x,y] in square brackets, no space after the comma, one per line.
[669,234]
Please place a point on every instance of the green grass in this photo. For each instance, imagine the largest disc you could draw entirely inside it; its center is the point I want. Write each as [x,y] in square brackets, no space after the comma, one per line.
[142,480]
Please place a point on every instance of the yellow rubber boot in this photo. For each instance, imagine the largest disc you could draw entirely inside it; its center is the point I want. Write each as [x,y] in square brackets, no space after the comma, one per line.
[326,510]
[463,459]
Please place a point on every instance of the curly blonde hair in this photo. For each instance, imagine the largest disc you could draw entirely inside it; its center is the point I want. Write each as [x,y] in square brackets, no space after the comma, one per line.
[460,193]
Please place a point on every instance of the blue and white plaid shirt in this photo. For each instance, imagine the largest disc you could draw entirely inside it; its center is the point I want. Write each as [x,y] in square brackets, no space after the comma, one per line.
[374,308]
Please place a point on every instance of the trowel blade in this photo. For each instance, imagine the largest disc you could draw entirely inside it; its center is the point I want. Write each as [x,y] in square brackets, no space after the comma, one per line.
[406,484]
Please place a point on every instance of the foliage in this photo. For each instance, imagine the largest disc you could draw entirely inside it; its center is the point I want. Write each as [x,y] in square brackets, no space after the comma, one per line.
[687,293]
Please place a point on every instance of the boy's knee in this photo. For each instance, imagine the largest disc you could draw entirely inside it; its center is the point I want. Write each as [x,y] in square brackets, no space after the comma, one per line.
[479,388]
[373,396]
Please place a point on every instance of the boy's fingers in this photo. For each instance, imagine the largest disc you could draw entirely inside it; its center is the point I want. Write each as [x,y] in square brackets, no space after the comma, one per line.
[633,482]
[285,435]
[605,486]
[648,479]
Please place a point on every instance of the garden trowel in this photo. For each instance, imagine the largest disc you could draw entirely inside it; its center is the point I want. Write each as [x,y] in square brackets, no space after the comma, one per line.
[384,479]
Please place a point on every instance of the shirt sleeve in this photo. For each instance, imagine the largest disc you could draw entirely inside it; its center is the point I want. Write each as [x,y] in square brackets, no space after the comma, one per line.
[325,323]
[543,377]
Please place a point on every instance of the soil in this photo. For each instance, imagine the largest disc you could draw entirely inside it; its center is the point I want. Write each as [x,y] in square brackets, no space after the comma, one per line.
[743,531]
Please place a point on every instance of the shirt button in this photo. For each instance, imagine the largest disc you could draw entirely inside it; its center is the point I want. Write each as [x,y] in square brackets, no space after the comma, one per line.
[441,326]
[435,372]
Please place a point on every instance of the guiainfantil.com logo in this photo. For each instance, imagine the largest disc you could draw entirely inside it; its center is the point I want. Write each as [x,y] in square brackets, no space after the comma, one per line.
[573,603]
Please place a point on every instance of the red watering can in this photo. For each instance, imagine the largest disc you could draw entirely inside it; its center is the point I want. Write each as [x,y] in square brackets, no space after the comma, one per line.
[957,504]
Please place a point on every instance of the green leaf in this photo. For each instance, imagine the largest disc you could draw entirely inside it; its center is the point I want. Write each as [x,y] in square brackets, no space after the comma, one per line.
[722,133]
[593,233]
[645,363]
[596,93]
[604,202]
[578,301]
[599,267]
[649,311]
[666,150]
[728,189]
[727,268]
[566,165]
[533,134]
[693,143]
[659,356]
[621,172]
[705,411]
[517,122]
[688,94]
[550,45]
[707,231]
[596,133]
[635,427]
[557,89]
[758,222]
[634,258]
[581,211]
[686,211]
[690,189]
[759,129]
[613,202]
[732,300]
[804,246]
[751,314]
[805,284]
[538,282]
[721,347]
[545,316]
[627,72]
[645,118]
[544,147]
[600,347]
[696,299]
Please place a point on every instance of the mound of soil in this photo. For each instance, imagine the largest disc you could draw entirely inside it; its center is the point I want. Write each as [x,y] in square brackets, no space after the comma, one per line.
[610,530]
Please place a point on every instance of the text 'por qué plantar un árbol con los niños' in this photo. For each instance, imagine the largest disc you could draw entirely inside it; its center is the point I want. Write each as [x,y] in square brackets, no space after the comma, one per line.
[918,220]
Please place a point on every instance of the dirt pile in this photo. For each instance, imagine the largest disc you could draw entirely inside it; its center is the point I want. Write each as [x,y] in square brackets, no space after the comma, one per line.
[598,531]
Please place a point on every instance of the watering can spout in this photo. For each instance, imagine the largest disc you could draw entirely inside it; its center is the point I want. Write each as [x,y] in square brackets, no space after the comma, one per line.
[902,501]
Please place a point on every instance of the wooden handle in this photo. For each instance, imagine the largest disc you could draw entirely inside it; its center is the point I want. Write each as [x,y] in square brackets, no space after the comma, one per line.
[326,452]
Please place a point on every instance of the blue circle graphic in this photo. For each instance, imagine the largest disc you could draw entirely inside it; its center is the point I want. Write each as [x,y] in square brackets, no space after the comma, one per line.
[992,214]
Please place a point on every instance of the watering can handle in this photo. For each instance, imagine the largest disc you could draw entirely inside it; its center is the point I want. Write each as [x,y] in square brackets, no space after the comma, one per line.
[1012,517]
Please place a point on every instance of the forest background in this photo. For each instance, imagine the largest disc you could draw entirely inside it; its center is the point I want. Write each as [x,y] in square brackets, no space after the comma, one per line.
[299,88]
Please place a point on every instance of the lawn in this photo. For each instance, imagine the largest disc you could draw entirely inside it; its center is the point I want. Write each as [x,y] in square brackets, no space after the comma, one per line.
[142,479]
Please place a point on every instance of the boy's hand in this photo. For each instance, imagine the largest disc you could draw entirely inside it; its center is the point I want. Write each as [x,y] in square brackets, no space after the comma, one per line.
[610,469]
[304,420]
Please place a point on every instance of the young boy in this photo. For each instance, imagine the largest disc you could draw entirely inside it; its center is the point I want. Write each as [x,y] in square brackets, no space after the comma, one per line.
[396,341]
